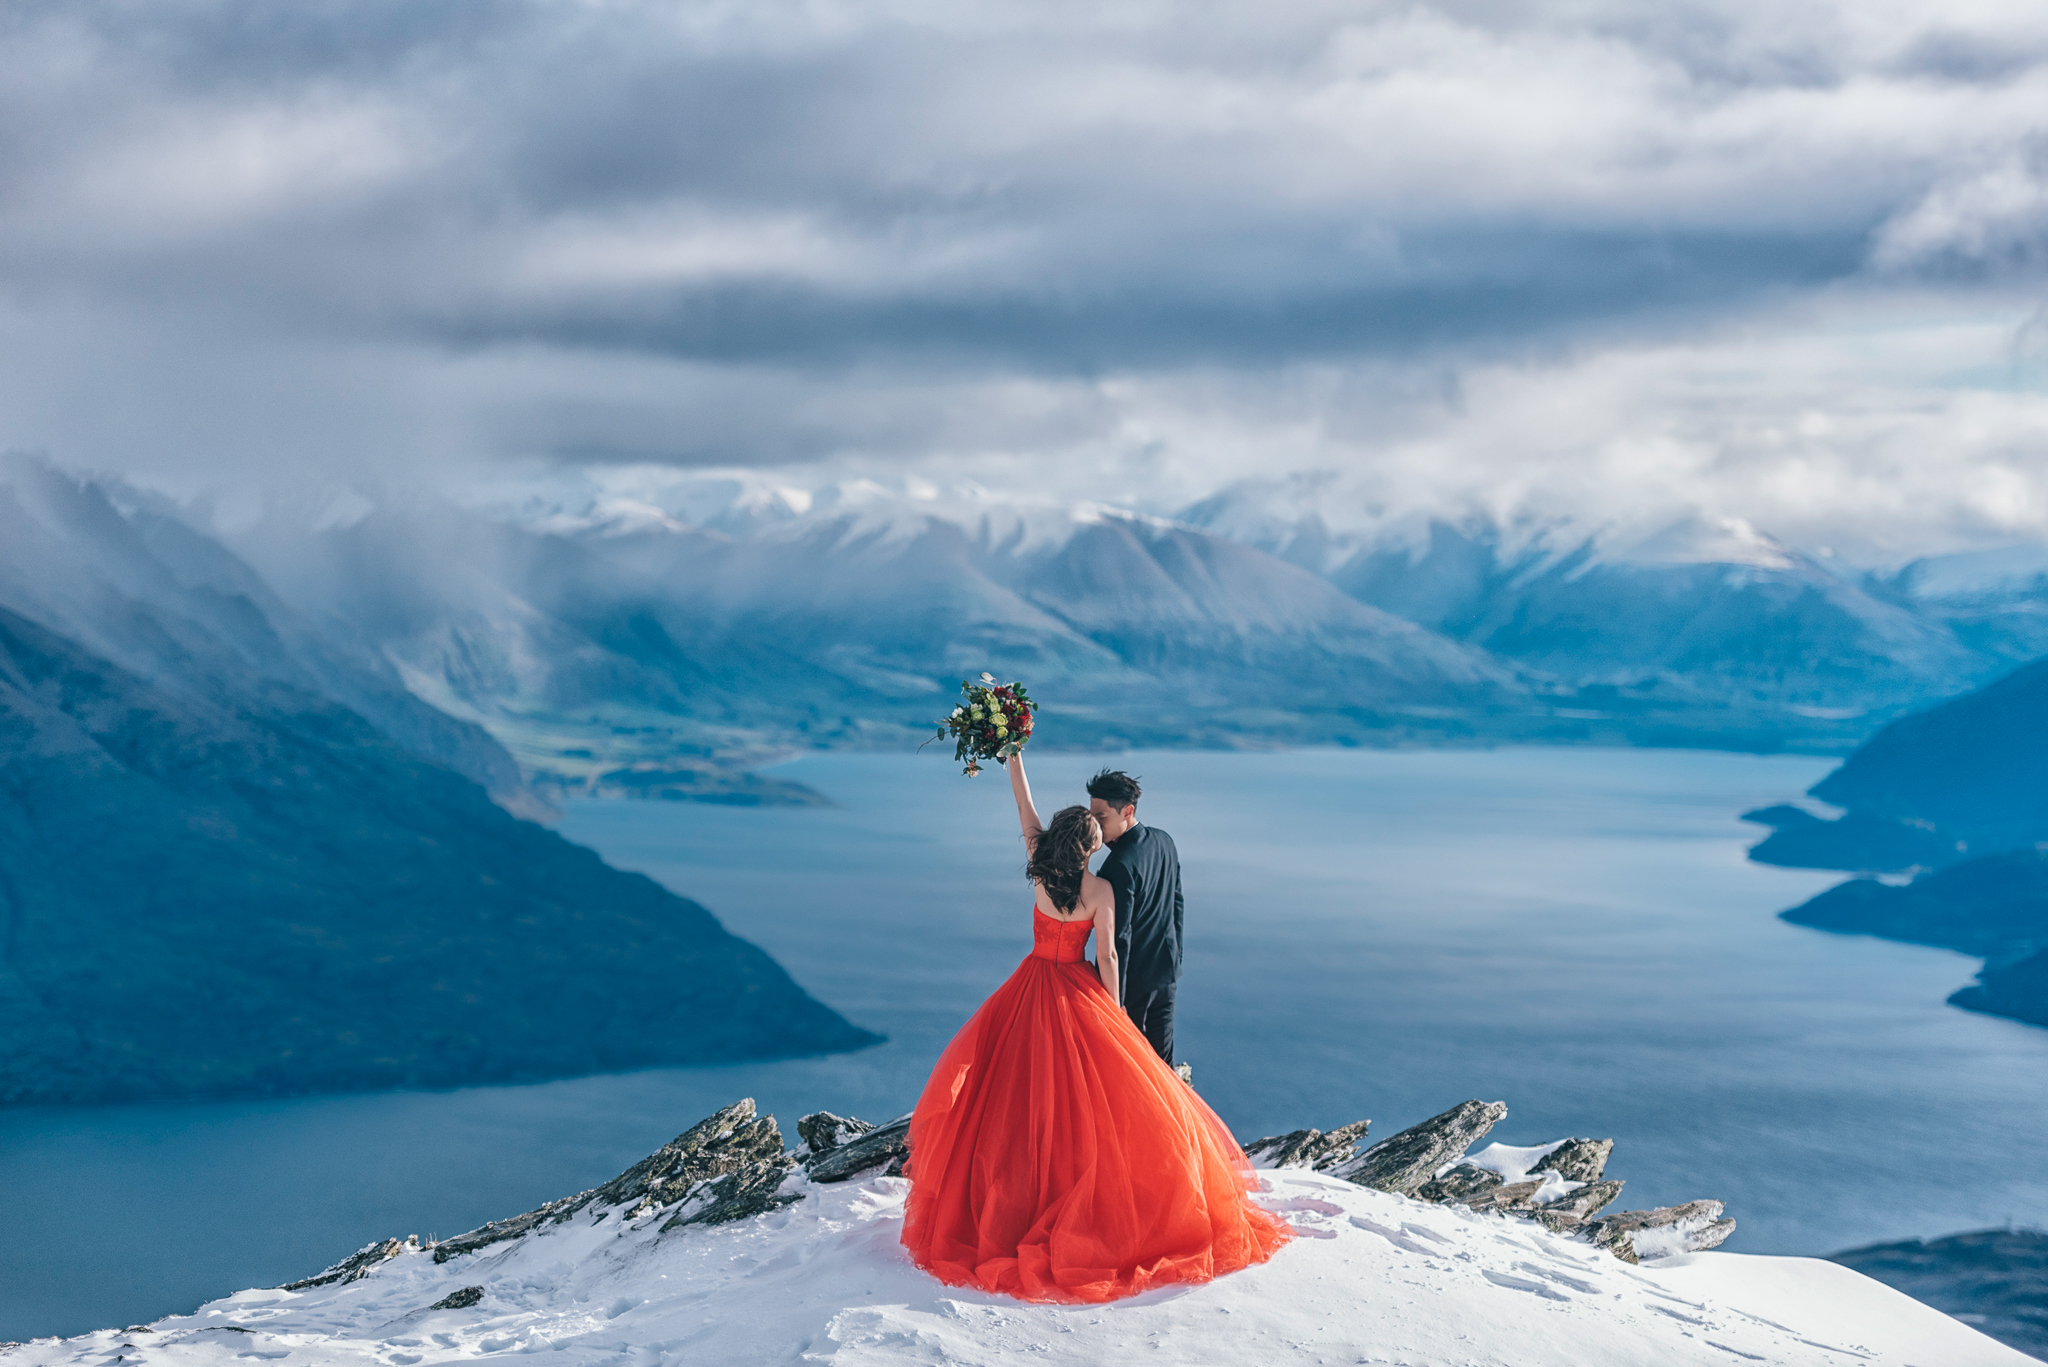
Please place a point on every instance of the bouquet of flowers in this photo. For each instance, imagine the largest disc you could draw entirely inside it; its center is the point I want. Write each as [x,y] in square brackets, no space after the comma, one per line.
[994,722]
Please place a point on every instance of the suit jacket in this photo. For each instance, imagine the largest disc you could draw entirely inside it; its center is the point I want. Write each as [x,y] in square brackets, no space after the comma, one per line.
[1143,869]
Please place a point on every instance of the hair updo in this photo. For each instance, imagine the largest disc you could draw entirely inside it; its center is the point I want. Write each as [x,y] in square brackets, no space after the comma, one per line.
[1061,855]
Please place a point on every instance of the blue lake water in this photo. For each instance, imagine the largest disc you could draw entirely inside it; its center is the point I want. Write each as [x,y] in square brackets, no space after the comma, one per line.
[1573,932]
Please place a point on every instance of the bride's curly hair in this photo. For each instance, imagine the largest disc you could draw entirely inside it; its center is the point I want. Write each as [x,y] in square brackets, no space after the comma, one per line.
[1061,855]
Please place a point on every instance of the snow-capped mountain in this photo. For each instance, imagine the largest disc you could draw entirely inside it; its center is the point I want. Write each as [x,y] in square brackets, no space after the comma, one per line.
[1701,606]
[600,620]
[621,628]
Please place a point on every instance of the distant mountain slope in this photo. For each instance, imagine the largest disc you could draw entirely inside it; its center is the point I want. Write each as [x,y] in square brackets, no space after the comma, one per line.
[141,588]
[1698,616]
[1975,768]
[1993,1279]
[253,891]
[587,647]
[1959,794]
[1961,778]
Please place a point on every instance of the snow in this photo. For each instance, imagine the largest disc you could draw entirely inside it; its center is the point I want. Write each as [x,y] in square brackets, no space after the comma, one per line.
[1375,1278]
[1510,1162]
[1513,1165]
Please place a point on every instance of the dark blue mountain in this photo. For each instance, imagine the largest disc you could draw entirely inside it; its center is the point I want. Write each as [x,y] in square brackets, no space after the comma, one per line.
[1957,792]
[218,878]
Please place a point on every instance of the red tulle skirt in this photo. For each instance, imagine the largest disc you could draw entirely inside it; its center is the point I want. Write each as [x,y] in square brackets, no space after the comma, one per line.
[1054,1157]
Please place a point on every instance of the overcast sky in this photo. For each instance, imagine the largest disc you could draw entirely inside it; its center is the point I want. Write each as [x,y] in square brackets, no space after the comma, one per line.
[1776,260]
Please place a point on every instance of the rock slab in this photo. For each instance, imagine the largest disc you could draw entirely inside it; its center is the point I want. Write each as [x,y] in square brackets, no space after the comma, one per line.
[886,1146]
[359,1264]
[735,1151]
[1307,1148]
[1412,1158]
[1637,1234]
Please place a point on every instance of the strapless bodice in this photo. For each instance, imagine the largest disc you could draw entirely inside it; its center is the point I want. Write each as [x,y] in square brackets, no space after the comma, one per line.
[1061,941]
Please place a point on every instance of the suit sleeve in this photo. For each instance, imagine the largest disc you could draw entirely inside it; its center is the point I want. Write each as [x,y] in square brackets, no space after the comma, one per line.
[1118,876]
[1178,906]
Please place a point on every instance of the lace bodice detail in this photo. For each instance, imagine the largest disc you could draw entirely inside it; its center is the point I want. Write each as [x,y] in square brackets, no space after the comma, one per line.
[1064,942]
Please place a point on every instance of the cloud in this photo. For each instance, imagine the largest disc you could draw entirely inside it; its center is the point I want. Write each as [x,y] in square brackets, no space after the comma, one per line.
[238,239]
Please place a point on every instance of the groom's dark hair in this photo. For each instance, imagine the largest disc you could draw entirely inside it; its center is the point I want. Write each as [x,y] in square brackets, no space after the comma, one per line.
[1115,787]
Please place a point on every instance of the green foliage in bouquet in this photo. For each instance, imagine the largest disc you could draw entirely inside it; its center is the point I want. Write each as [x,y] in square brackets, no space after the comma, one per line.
[994,722]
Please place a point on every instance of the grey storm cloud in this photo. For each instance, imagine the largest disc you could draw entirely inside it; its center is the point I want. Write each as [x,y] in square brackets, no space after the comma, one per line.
[1060,186]
[247,234]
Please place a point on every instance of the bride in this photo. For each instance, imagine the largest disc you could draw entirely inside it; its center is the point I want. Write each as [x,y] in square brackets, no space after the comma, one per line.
[1053,1156]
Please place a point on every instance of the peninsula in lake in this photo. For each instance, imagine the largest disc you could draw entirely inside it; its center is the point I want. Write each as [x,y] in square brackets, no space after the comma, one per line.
[1954,799]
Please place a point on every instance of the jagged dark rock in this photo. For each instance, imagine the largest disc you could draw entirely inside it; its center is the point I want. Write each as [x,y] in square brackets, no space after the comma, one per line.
[1635,1234]
[1459,1185]
[1588,1200]
[1569,1213]
[1411,1158]
[1511,1198]
[459,1300]
[1577,1160]
[1307,1148]
[888,1144]
[823,1131]
[733,1141]
[732,1165]
[360,1263]
[754,1188]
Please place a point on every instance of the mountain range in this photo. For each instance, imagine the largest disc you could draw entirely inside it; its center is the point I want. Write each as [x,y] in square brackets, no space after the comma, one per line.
[707,623]
[237,857]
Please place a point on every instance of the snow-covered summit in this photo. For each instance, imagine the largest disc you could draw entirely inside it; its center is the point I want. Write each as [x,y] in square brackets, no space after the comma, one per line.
[820,1276]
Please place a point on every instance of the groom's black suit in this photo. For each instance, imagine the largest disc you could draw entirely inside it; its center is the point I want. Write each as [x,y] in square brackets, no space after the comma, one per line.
[1143,869]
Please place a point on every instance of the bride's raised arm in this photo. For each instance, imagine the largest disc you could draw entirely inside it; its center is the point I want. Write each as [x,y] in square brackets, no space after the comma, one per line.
[1027,815]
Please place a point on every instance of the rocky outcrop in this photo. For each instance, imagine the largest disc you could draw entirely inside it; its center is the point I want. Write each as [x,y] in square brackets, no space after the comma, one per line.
[1563,1190]
[1637,1234]
[725,1167]
[1567,1213]
[1414,1156]
[1460,1186]
[1307,1148]
[732,1165]
[1577,1160]
[883,1148]
[823,1132]
[360,1264]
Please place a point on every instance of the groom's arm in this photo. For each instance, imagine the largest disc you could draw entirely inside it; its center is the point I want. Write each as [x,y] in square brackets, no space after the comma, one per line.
[1121,883]
[1178,907]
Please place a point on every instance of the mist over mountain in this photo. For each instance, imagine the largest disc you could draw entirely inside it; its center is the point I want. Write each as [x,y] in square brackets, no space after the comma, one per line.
[632,640]
[713,620]
[217,877]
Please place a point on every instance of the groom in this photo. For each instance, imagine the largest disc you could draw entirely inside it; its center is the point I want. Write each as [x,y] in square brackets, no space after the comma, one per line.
[1143,869]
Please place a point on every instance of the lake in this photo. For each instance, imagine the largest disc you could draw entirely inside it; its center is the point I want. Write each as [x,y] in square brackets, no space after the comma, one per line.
[1573,932]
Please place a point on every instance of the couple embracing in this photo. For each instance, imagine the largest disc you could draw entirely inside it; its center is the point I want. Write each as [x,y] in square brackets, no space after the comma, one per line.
[1055,1154]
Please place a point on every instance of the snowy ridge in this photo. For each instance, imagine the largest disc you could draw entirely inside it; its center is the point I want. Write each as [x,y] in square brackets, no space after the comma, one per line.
[1374,1277]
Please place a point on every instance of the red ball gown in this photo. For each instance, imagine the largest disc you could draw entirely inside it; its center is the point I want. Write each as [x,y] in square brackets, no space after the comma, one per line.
[1054,1157]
